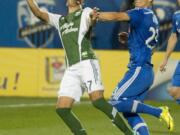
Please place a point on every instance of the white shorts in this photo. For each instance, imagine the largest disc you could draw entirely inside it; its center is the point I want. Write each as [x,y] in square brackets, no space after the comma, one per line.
[82,76]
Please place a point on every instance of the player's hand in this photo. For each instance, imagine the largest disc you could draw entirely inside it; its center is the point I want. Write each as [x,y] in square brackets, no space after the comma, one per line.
[163,65]
[94,14]
[123,37]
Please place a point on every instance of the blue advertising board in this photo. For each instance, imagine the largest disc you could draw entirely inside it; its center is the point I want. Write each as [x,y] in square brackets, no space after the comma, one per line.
[20,28]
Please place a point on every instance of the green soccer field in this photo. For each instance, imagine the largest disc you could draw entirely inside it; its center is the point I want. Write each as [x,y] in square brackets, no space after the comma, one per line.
[34,116]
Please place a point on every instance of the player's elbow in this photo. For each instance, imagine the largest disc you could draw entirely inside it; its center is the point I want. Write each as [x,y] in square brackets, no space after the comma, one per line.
[41,16]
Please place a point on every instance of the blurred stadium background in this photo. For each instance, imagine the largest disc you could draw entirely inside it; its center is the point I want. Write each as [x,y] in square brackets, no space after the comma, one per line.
[32,66]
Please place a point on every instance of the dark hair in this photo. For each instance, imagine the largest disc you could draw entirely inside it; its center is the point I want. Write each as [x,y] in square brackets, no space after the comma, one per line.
[152,1]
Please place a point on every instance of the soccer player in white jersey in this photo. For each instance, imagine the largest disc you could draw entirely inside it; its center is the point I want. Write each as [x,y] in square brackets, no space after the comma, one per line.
[83,70]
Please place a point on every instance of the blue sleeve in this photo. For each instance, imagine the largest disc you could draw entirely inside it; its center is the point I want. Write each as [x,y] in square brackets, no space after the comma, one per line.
[174,24]
[135,16]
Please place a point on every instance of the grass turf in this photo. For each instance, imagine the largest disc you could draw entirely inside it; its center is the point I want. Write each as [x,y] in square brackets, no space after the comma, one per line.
[20,116]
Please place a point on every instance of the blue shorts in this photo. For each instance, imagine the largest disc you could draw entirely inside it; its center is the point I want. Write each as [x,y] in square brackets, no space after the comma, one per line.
[135,84]
[176,76]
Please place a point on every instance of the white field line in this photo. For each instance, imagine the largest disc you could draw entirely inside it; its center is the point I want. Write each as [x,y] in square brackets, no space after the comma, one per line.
[37,105]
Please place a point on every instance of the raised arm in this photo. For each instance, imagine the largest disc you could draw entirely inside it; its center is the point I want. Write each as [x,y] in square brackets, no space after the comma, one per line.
[171,45]
[113,16]
[42,15]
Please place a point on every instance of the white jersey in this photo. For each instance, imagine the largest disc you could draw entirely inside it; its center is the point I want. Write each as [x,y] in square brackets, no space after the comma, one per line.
[74,32]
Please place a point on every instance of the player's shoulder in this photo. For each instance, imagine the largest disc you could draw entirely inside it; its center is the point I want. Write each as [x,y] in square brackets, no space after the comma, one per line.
[142,10]
[87,9]
[54,16]
[134,10]
[176,14]
[146,11]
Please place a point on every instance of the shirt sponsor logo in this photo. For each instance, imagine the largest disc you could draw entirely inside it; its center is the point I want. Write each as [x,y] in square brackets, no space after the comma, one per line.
[68,28]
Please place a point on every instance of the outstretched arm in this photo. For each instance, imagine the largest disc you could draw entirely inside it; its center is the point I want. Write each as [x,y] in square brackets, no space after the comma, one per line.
[171,45]
[113,16]
[42,15]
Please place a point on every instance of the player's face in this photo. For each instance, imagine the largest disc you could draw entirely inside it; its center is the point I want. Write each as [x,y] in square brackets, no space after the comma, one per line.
[142,3]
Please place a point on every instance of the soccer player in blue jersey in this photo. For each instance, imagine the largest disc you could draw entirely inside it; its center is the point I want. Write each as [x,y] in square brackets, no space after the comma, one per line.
[129,94]
[83,70]
[175,89]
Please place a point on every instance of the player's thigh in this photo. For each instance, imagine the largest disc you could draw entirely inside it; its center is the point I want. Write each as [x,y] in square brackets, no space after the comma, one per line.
[134,84]
[91,77]
[70,86]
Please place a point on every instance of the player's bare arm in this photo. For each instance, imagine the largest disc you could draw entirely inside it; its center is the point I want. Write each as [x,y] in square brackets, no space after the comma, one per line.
[113,16]
[171,45]
[42,15]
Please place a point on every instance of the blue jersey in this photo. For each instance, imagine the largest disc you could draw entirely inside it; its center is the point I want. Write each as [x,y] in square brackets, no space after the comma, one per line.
[143,37]
[176,23]
[176,29]
[165,10]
